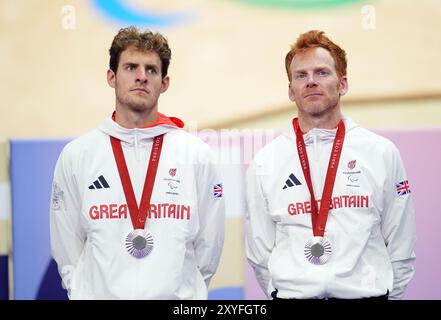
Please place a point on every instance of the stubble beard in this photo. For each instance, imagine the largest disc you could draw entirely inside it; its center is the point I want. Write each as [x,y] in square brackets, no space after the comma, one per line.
[321,110]
[318,111]
[130,104]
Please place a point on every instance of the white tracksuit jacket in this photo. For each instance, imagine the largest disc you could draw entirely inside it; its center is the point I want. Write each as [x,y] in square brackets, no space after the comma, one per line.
[90,220]
[370,227]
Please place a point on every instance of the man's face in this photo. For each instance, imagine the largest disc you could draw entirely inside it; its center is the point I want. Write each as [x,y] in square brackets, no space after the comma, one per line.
[138,82]
[315,86]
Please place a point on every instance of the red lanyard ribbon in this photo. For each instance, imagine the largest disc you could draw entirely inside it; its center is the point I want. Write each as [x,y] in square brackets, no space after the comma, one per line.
[319,218]
[138,214]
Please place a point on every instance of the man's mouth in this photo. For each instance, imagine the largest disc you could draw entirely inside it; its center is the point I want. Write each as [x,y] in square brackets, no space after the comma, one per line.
[313,95]
[140,90]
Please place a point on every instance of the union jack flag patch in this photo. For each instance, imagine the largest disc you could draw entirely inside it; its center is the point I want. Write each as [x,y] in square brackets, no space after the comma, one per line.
[403,188]
[217,190]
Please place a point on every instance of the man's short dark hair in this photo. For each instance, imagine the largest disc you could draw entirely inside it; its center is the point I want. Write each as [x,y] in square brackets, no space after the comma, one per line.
[145,41]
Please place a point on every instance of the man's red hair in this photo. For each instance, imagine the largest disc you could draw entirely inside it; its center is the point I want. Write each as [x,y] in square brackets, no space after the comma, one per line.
[315,39]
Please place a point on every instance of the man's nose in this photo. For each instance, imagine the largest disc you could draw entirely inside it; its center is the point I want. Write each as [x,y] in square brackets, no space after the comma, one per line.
[141,75]
[310,81]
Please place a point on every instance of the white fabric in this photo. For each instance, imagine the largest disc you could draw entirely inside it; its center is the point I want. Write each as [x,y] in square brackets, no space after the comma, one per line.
[91,255]
[373,238]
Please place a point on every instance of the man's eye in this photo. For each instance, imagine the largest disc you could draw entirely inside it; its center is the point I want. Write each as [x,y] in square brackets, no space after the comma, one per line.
[323,73]
[301,76]
[152,70]
[130,67]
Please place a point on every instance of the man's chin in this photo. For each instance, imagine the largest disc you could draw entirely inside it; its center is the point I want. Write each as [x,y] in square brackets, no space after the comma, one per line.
[315,110]
[138,108]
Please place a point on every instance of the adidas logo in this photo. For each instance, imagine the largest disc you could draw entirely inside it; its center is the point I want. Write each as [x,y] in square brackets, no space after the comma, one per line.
[99,183]
[292,181]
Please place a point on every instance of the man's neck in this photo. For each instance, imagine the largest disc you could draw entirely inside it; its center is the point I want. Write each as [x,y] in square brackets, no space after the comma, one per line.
[325,121]
[131,119]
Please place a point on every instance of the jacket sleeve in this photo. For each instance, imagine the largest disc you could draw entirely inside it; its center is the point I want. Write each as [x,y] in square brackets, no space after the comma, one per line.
[398,226]
[209,241]
[67,235]
[260,228]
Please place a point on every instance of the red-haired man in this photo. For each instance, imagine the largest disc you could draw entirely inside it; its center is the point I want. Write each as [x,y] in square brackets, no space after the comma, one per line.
[329,207]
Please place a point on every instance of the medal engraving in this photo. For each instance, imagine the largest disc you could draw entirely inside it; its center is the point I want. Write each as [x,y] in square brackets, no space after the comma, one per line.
[139,243]
[318,250]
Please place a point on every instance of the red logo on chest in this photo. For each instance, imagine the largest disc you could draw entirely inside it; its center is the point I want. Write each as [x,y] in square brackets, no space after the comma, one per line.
[351,164]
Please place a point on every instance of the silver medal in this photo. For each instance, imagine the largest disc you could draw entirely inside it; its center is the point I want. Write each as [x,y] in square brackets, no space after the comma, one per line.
[318,250]
[139,243]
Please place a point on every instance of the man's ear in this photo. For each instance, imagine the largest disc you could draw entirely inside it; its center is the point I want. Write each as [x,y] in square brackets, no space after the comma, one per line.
[111,78]
[343,86]
[291,93]
[165,84]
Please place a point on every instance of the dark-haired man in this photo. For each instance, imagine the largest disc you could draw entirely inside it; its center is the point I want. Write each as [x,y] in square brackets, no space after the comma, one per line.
[137,210]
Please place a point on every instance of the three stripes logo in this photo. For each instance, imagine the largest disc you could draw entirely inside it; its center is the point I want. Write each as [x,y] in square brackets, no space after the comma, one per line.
[291,182]
[99,183]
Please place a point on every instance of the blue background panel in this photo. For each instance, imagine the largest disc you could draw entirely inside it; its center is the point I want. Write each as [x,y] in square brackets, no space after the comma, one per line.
[32,165]
[4,294]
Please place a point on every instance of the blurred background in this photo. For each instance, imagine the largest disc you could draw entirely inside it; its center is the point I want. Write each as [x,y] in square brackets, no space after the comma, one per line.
[227,72]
